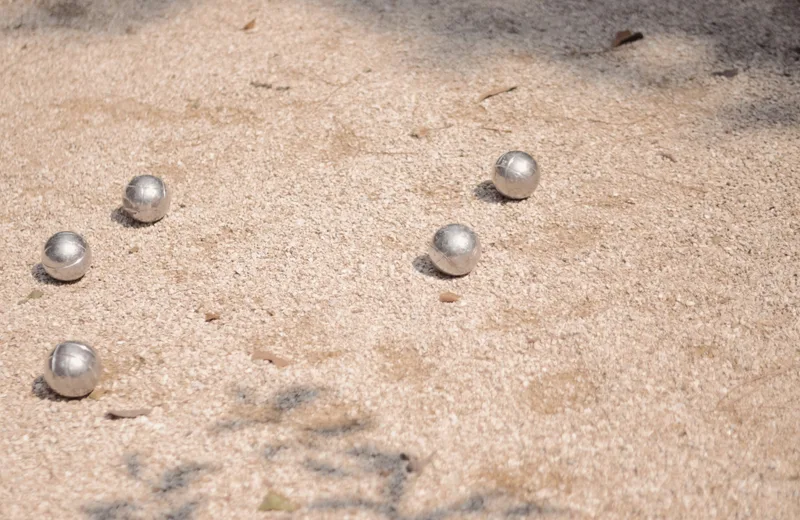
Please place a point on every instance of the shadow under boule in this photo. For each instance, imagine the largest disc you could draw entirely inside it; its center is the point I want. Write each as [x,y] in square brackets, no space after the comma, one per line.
[423,265]
[42,390]
[123,219]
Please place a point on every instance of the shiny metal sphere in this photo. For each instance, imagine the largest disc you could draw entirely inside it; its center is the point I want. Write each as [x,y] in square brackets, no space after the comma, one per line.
[73,369]
[66,256]
[516,175]
[455,250]
[146,199]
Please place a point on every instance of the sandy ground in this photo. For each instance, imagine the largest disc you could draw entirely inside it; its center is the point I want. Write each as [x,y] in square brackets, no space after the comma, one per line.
[627,348]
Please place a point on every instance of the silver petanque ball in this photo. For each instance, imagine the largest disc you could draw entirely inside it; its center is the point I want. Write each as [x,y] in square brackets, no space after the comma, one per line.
[73,369]
[66,256]
[516,175]
[455,250]
[146,198]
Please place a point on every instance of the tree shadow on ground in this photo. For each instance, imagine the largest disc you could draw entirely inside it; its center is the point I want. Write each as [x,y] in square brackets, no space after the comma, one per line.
[694,39]
[748,32]
[758,30]
[757,37]
[89,15]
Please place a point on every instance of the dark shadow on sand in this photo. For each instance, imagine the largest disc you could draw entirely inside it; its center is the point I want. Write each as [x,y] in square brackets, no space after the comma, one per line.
[40,275]
[486,192]
[423,265]
[42,390]
[124,220]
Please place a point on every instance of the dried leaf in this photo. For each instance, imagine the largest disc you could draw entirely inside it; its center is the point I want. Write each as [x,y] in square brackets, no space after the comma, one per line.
[449,297]
[498,130]
[496,92]
[728,73]
[667,156]
[276,502]
[625,37]
[263,355]
[335,427]
[416,465]
[98,392]
[211,316]
[249,25]
[33,295]
[420,132]
[704,351]
[128,414]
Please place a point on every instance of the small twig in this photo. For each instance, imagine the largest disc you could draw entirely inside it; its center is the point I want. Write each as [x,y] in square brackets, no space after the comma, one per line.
[377,152]
[580,52]
[662,181]
[496,92]
[337,89]
[127,414]
[668,156]
[498,130]
[423,131]
[755,381]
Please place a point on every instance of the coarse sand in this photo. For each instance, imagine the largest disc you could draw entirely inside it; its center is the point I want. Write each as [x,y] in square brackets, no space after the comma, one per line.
[628,346]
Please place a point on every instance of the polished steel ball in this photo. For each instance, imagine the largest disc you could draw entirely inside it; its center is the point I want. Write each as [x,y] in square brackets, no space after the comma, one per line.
[73,369]
[455,250]
[66,256]
[516,175]
[146,199]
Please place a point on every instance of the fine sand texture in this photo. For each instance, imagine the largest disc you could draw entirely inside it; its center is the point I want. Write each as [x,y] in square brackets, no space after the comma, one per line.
[628,346]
